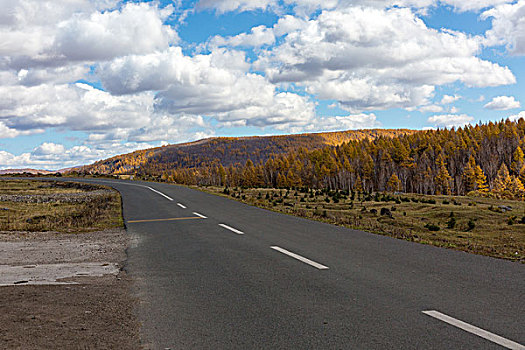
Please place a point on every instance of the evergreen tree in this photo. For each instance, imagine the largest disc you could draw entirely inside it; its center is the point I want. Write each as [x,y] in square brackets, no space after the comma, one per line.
[502,179]
[394,184]
[481,179]
[443,177]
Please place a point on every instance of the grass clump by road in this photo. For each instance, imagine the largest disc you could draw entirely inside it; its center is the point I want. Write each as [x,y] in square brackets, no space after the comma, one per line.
[32,205]
[477,225]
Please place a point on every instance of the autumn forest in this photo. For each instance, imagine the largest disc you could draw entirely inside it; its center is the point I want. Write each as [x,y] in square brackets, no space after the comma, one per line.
[485,158]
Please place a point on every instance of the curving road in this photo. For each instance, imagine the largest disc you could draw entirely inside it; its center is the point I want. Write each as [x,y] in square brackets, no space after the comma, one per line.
[213,273]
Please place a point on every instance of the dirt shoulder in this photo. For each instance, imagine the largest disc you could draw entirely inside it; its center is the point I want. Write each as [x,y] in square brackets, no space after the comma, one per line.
[86,304]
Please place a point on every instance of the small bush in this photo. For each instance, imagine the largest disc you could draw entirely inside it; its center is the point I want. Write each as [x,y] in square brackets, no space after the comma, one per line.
[471,225]
[451,223]
[432,227]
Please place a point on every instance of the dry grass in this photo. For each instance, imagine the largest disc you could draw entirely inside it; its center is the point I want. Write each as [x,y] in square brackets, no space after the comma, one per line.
[96,212]
[480,226]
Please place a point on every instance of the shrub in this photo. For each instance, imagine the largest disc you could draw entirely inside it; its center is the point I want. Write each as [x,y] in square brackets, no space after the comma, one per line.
[471,225]
[451,223]
[432,227]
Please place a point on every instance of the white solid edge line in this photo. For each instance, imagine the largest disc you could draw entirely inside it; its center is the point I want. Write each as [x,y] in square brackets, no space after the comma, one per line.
[509,344]
[181,205]
[200,215]
[300,258]
[162,194]
[125,183]
[231,229]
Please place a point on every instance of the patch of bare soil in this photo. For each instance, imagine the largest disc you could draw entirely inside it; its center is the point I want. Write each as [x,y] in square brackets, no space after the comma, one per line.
[85,311]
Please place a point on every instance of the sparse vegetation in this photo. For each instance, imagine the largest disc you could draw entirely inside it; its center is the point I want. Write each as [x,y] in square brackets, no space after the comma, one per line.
[28,205]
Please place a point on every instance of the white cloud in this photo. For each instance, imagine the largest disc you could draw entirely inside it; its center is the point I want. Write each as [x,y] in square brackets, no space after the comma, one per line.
[473,5]
[257,37]
[448,99]
[222,6]
[450,120]
[52,156]
[508,27]
[503,103]
[37,34]
[378,59]
[347,122]
[307,7]
[49,148]
[516,117]
[431,108]
[75,107]
[217,85]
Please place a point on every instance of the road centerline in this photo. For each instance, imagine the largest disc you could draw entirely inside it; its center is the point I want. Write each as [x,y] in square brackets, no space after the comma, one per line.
[231,229]
[167,219]
[509,344]
[200,215]
[181,205]
[300,258]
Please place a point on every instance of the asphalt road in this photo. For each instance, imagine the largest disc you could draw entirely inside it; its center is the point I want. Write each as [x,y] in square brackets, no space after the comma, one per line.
[273,281]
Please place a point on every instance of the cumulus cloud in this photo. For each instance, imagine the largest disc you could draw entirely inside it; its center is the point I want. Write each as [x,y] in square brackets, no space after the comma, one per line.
[52,156]
[307,7]
[431,108]
[516,117]
[503,103]
[450,120]
[222,6]
[37,34]
[508,27]
[74,107]
[346,122]
[218,85]
[370,59]
[257,37]
[473,5]
[448,99]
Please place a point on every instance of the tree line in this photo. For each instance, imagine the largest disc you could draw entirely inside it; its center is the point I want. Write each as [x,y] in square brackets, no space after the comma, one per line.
[487,158]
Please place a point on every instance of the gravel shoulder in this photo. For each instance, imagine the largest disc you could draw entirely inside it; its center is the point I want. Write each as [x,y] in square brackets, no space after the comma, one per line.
[84,309]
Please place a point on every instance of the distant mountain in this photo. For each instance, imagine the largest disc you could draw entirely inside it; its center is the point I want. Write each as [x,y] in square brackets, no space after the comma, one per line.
[27,170]
[227,151]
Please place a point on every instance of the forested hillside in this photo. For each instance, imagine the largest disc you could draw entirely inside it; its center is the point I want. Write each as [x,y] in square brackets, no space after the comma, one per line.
[487,158]
[226,151]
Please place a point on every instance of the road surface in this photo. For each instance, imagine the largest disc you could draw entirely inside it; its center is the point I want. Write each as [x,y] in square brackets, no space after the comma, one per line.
[213,273]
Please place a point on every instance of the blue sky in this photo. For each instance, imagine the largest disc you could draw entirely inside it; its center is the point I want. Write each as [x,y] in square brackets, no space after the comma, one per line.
[89,79]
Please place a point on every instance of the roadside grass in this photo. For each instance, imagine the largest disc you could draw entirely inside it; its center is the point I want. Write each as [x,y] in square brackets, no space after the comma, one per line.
[95,212]
[472,224]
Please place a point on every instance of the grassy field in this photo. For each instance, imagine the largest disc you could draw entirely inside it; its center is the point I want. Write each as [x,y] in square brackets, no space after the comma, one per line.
[472,224]
[95,211]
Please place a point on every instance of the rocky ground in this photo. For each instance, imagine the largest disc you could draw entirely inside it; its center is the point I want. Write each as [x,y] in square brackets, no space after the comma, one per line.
[66,291]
